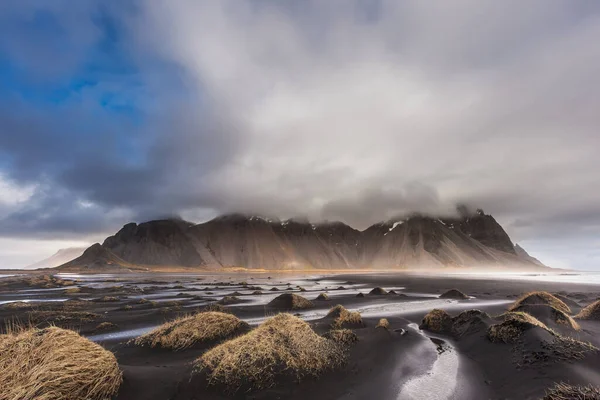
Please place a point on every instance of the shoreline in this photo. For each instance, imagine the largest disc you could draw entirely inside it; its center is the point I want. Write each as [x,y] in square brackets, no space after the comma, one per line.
[380,364]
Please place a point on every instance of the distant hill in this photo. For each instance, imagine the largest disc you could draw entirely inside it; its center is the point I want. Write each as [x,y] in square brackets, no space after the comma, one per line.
[58,258]
[252,242]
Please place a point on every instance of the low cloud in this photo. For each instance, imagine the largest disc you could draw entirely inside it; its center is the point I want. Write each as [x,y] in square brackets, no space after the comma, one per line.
[343,110]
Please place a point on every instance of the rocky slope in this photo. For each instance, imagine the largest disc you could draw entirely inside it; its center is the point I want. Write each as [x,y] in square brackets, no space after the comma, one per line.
[253,242]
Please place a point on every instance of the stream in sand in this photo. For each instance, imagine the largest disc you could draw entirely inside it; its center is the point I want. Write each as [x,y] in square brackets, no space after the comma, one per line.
[440,382]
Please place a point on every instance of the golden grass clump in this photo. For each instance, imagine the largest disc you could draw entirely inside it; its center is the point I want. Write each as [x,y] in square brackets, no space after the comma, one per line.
[343,317]
[345,337]
[215,307]
[513,326]
[73,304]
[564,391]
[290,301]
[383,323]
[105,326]
[17,305]
[323,297]
[590,312]
[282,346]
[72,290]
[554,314]
[188,331]
[46,281]
[437,320]
[532,298]
[62,318]
[56,364]
[107,299]
[229,300]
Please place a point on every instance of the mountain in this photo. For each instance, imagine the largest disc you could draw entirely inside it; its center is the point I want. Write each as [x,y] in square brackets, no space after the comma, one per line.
[99,257]
[523,254]
[237,240]
[58,258]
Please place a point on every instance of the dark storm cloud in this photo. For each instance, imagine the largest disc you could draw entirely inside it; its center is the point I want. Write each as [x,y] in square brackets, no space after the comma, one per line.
[332,110]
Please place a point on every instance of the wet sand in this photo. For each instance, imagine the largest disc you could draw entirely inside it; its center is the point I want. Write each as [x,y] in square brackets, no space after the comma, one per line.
[400,363]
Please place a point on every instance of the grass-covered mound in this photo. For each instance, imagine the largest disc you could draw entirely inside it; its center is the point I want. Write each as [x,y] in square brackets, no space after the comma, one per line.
[226,300]
[590,312]
[466,322]
[201,328]
[378,292]
[342,336]
[290,301]
[540,298]
[563,391]
[437,320]
[454,294]
[323,297]
[46,281]
[60,317]
[512,327]
[383,323]
[342,318]
[105,326]
[534,342]
[55,364]
[549,315]
[283,346]
[17,305]
[470,321]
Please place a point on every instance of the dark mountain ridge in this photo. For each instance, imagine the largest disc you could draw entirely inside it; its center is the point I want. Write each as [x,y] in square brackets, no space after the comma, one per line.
[237,240]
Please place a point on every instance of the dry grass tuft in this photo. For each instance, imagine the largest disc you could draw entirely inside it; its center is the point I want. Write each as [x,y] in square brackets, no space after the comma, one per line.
[532,298]
[343,336]
[229,300]
[73,304]
[55,364]
[437,320]
[383,323]
[188,331]
[216,308]
[343,317]
[323,297]
[105,326]
[61,318]
[282,346]
[17,305]
[107,299]
[513,326]
[564,391]
[543,311]
[564,348]
[290,301]
[46,281]
[72,290]
[590,312]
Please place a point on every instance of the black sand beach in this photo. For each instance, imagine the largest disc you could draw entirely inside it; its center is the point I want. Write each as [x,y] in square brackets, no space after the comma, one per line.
[400,362]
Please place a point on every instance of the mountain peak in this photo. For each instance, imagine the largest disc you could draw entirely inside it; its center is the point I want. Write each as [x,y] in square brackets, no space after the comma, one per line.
[251,241]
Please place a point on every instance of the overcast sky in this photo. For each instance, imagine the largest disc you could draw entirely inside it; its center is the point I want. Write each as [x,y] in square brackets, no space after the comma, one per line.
[123,111]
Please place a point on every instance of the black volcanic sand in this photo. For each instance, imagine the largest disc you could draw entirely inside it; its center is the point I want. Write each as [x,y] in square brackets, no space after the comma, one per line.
[382,364]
